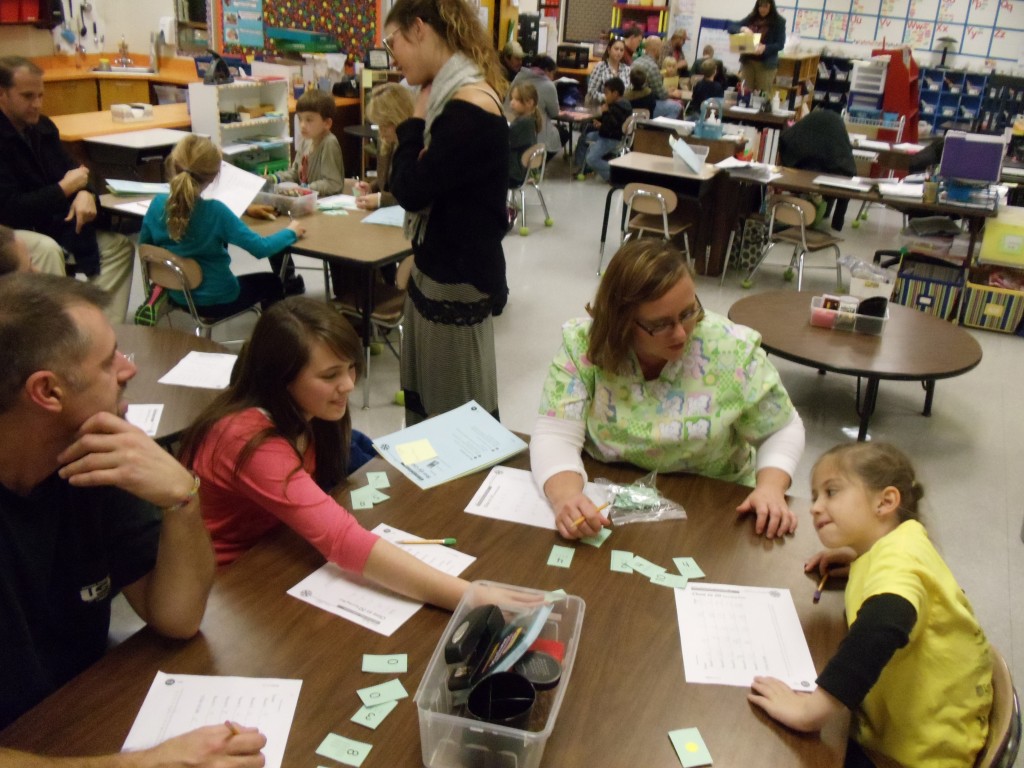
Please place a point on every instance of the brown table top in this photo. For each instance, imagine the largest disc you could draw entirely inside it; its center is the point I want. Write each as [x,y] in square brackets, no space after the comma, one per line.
[914,345]
[643,162]
[627,689]
[156,351]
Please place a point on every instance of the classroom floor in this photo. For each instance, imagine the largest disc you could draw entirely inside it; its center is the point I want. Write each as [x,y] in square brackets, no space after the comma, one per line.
[968,454]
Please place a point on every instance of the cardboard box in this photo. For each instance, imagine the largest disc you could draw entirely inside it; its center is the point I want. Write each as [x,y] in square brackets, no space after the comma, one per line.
[744,42]
[1003,242]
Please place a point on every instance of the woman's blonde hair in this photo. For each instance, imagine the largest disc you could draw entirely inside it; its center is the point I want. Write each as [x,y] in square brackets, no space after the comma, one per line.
[641,271]
[390,104]
[527,92]
[191,166]
[458,25]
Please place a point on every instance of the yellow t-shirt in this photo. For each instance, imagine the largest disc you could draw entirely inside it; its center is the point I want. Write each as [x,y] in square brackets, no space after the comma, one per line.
[930,706]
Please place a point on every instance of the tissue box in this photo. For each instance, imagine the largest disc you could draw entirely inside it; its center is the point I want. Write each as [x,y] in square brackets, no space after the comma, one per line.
[131,113]
[448,737]
[744,42]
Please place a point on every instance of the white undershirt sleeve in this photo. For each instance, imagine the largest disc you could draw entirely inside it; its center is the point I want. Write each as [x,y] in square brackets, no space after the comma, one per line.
[782,449]
[556,446]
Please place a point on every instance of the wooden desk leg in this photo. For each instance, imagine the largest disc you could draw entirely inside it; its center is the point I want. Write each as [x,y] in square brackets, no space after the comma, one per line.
[866,407]
[604,225]
[929,393]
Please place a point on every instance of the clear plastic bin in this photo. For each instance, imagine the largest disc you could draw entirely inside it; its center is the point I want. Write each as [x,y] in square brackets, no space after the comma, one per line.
[845,321]
[303,205]
[450,739]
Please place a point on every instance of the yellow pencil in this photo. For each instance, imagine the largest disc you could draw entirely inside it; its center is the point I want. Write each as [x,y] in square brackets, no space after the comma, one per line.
[449,542]
[821,586]
[581,518]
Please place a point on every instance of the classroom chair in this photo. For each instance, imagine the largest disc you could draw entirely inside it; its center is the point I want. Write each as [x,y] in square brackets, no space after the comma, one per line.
[795,215]
[535,162]
[657,210]
[388,311]
[1003,740]
[163,268]
[642,114]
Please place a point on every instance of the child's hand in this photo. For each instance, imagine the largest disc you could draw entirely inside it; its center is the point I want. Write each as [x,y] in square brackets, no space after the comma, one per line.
[801,711]
[297,228]
[260,211]
[368,202]
[835,562]
[360,188]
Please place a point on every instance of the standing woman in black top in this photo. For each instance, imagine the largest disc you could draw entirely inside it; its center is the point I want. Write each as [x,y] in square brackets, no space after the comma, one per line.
[450,172]
[758,67]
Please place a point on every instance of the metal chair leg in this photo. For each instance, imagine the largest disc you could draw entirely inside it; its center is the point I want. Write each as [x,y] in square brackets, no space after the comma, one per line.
[728,252]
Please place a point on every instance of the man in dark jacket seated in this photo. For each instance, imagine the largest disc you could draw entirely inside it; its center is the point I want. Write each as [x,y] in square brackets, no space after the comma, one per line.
[819,142]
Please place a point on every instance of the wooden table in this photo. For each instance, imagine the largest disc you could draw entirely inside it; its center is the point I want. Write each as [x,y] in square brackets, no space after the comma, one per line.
[667,172]
[156,351]
[757,119]
[86,125]
[913,347]
[345,239]
[627,689]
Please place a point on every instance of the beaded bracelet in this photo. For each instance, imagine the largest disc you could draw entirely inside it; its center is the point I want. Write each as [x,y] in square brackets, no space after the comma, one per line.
[188,499]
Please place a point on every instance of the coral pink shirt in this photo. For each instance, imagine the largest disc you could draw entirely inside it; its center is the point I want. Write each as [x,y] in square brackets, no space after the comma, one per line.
[240,510]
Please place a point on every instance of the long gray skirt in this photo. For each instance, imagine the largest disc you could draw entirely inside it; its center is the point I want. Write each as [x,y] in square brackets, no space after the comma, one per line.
[447,349]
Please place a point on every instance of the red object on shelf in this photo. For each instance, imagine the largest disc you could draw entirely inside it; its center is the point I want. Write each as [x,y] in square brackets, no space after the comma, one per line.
[29,10]
[902,89]
[10,11]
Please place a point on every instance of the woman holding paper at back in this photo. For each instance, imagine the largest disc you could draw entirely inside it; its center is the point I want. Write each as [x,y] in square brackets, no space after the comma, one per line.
[654,380]
[193,228]
[270,447]
[758,67]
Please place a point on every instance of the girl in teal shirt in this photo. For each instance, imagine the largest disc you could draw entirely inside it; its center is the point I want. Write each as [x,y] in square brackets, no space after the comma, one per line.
[194,228]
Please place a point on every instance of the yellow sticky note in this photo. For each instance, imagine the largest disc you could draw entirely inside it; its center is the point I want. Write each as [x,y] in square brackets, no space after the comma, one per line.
[416,451]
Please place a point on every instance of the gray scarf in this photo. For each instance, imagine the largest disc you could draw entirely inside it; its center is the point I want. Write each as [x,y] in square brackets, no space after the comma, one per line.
[458,71]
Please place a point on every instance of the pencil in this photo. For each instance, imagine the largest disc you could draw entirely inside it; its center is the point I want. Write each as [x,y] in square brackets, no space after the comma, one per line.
[581,518]
[449,542]
[232,727]
[821,586]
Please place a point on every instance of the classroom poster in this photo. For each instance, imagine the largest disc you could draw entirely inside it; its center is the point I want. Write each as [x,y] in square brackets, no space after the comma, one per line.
[243,23]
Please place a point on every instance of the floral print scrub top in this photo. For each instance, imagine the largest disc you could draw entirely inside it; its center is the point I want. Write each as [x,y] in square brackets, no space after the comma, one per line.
[703,414]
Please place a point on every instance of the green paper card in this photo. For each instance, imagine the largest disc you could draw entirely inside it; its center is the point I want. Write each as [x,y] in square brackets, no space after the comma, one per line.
[347,751]
[378,479]
[361,499]
[376,496]
[622,561]
[669,580]
[392,690]
[555,596]
[598,538]
[561,557]
[690,748]
[394,663]
[688,567]
[646,567]
[371,717]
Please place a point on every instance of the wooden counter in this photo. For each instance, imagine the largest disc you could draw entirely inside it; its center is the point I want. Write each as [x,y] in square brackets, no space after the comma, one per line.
[173,71]
[88,124]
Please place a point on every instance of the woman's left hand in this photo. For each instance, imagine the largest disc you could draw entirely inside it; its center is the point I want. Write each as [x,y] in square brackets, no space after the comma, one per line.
[768,502]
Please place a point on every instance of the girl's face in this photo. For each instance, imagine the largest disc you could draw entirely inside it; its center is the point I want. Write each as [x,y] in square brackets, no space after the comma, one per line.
[321,389]
[615,52]
[846,513]
[763,9]
[521,106]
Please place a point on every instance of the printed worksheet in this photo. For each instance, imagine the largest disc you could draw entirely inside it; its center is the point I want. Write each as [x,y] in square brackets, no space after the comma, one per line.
[206,370]
[353,598]
[177,704]
[510,494]
[729,634]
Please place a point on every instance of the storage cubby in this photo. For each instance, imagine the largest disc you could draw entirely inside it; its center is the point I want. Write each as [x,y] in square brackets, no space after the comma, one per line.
[949,95]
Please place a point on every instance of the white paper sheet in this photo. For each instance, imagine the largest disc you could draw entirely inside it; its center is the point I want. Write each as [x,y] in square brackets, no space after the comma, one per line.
[389,216]
[370,606]
[177,704]
[234,187]
[895,189]
[145,417]
[138,207]
[511,495]
[730,633]
[333,202]
[205,370]
[842,182]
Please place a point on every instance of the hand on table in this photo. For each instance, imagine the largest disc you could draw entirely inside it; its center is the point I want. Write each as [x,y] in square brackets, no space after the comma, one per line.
[110,451]
[570,509]
[370,202]
[360,188]
[215,746]
[834,562]
[774,517]
[297,228]
[260,211]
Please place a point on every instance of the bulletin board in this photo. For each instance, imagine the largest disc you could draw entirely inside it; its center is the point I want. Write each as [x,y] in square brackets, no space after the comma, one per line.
[990,30]
[352,22]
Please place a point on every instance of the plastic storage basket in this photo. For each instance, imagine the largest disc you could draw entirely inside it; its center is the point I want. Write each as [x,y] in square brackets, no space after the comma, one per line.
[449,739]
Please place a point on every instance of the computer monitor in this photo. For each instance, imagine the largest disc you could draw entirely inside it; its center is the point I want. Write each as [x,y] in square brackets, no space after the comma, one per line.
[971,158]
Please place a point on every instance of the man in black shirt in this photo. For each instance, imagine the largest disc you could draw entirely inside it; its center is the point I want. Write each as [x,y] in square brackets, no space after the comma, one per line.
[89,507]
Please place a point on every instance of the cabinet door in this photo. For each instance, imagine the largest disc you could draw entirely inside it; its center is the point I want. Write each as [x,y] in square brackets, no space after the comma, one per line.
[69,97]
[123,92]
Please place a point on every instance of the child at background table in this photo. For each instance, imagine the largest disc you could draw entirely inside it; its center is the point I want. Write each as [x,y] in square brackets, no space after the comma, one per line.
[390,105]
[606,134]
[915,669]
[318,163]
[522,133]
[639,95]
[270,447]
[193,228]
[707,88]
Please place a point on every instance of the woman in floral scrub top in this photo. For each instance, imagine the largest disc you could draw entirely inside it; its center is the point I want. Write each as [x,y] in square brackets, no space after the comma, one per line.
[656,381]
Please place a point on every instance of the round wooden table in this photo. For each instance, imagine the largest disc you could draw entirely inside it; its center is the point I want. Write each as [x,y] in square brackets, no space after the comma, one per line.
[156,351]
[913,347]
